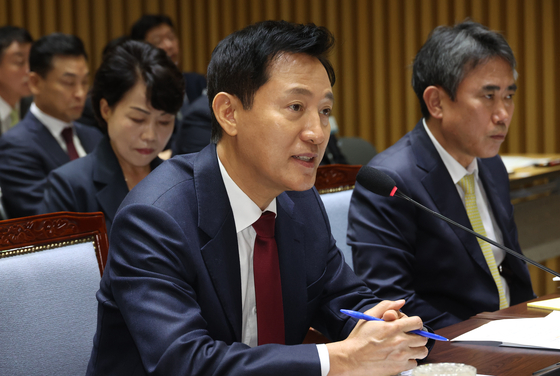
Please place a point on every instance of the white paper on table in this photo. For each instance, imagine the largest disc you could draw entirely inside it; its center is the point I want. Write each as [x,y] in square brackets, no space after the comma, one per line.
[541,332]
[409,372]
[514,162]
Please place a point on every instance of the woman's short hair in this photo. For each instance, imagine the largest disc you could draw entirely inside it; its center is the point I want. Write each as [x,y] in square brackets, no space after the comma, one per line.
[131,62]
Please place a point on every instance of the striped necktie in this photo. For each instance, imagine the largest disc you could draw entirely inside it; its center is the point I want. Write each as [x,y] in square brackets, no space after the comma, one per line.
[467,184]
[14,117]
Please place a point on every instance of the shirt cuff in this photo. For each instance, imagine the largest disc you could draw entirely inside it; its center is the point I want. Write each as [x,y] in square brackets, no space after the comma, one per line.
[324,359]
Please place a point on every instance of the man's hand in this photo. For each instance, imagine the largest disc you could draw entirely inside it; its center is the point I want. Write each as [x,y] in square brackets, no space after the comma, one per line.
[379,348]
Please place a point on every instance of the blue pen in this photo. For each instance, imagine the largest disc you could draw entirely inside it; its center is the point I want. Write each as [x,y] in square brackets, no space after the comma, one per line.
[363,316]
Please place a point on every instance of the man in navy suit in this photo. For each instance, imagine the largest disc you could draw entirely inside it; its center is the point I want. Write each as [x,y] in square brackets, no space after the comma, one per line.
[158,30]
[15,43]
[47,137]
[195,130]
[180,292]
[464,77]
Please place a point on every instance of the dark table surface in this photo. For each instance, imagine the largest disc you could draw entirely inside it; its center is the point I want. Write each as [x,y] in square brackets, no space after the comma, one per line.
[494,360]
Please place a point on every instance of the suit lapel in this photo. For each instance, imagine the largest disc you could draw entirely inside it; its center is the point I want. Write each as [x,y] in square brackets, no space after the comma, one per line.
[87,142]
[45,140]
[443,192]
[220,253]
[108,179]
[291,254]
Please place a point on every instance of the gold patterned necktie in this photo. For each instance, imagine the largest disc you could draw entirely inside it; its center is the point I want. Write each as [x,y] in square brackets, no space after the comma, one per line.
[467,184]
[14,117]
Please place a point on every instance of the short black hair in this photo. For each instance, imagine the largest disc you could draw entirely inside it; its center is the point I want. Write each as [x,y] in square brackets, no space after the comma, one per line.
[450,53]
[49,46]
[11,34]
[128,63]
[240,62]
[147,22]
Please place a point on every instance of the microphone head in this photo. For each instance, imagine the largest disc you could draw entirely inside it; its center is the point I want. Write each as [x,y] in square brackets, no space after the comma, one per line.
[376,181]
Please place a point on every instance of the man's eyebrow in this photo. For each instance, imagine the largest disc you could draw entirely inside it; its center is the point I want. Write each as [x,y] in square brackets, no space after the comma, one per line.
[140,109]
[70,74]
[496,87]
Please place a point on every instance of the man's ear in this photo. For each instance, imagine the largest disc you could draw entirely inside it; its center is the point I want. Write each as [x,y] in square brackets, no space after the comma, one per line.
[433,96]
[225,106]
[35,82]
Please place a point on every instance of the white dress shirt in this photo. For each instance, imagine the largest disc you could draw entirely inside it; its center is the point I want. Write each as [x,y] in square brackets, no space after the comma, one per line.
[5,115]
[55,127]
[245,213]
[457,171]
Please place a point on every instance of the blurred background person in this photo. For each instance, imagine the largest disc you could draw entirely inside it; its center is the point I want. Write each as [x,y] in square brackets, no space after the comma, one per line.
[136,93]
[48,136]
[158,30]
[88,115]
[15,99]
[194,131]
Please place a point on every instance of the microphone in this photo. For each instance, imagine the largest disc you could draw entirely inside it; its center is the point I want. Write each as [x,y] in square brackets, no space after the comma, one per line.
[382,184]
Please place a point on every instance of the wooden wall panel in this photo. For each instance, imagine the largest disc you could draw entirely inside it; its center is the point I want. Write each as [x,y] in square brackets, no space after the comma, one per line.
[376,43]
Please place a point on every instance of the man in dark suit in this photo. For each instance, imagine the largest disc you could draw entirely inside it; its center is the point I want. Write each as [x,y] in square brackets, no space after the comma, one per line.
[47,137]
[464,77]
[194,131]
[157,29]
[15,43]
[186,290]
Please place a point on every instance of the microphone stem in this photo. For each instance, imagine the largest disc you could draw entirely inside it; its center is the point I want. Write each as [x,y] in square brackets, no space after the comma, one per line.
[511,252]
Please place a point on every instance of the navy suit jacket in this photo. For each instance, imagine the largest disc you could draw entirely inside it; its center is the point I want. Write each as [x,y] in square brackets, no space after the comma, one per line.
[194,85]
[28,152]
[170,296]
[90,184]
[401,251]
[194,130]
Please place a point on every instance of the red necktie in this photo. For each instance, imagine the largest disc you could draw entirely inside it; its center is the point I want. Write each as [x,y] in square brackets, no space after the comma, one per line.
[68,137]
[268,288]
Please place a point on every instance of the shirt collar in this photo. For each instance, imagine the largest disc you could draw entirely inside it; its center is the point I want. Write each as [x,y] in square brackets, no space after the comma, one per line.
[5,110]
[456,170]
[245,211]
[54,125]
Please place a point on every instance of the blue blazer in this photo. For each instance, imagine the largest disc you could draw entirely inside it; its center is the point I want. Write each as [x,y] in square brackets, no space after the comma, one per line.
[93,183]
[194,85]
[170,296]
[401,251]
[28,152]
[195,129]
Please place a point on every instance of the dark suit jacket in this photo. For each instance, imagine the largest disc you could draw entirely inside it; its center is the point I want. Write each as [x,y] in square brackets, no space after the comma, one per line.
[24,105]
[403,252]
[93,183]
[170,297]
[28,152]
[195,130]
[194,85]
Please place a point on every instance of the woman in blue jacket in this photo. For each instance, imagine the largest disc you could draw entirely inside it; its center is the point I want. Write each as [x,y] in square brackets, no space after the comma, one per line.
[136,93]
